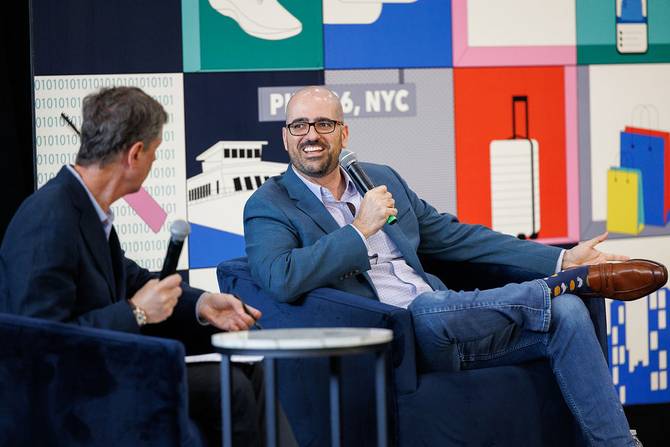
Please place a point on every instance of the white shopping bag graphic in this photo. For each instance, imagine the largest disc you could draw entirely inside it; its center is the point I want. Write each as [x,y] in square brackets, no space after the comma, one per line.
[515,179]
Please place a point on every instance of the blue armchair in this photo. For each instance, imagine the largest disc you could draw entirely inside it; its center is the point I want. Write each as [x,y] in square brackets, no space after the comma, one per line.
[65,385]
[508,405]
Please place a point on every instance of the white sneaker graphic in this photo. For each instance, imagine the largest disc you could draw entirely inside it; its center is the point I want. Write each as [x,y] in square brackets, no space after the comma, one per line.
[354,12]
[264,19]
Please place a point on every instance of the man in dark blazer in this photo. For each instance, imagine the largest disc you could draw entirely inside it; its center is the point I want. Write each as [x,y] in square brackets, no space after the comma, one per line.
[311,227]
[61,259]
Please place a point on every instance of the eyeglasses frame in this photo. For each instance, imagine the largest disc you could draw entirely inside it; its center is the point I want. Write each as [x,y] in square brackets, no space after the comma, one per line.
[311,124]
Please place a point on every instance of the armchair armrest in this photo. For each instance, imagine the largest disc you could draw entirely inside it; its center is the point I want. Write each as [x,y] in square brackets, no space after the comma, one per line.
[329,308]
[87,386]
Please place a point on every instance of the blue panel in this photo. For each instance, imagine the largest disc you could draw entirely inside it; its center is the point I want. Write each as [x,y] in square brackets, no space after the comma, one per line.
[405,35]
[208,246]
[645,384]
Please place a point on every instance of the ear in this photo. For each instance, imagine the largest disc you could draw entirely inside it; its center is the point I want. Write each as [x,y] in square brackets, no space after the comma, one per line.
[284,136]
[345,135]
[134,152]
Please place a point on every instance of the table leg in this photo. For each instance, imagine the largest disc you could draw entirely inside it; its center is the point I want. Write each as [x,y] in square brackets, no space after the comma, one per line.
[270,402]
[226,414]
[380,392]
[334,380]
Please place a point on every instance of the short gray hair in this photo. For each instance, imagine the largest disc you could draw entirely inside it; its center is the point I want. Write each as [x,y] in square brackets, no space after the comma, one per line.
[113,120]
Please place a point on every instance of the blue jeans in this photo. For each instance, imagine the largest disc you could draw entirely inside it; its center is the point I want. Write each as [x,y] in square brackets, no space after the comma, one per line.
[518,323]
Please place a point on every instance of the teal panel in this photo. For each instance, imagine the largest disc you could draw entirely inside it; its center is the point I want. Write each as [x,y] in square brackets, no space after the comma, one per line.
[596,38]
[243,35]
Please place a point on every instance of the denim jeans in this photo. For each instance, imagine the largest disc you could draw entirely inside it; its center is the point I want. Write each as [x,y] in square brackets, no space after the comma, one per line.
[518,323]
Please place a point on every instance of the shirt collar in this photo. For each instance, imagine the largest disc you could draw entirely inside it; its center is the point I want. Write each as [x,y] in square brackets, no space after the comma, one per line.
[323,194]
[107,219]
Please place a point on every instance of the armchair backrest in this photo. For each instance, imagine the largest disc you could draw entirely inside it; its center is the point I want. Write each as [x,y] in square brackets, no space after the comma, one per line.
[62,384]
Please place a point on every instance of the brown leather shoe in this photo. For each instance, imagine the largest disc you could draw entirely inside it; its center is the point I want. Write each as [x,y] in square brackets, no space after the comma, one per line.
[627,280]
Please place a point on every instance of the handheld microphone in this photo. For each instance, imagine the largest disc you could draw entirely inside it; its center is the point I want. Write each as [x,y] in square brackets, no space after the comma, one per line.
[349,162]
[178,230]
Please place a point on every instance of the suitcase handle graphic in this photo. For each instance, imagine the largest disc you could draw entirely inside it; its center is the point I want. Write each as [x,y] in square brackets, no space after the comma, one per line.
[520,100]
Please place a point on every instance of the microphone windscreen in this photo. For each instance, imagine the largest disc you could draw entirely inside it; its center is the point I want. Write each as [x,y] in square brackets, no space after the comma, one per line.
[179,230]
[347,158]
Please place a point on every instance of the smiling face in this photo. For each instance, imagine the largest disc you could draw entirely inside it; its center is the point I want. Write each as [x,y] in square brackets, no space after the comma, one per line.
[315,155]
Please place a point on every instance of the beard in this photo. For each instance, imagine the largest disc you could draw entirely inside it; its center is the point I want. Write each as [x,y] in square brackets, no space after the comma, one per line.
[312,168]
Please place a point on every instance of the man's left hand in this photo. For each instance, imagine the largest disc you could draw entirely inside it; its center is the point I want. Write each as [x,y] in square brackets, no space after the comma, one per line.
[585,253]
[226,312]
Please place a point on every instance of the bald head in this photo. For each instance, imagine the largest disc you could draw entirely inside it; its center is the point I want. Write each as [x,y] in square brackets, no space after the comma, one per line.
[314,95]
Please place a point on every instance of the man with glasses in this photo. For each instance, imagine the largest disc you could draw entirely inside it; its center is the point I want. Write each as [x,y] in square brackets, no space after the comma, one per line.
[311,228]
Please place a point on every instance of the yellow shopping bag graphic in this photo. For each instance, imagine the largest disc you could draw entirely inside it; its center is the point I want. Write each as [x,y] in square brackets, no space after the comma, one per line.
[625,207]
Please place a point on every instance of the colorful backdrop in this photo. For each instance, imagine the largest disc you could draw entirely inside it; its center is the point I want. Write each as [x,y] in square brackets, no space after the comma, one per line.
[544,119]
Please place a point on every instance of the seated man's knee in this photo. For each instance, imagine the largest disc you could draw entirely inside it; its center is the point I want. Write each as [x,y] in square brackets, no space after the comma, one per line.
[569,311]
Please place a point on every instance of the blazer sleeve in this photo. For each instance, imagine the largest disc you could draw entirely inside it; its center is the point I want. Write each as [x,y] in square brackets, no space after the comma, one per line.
[444,238]
[40,255]
[282,265]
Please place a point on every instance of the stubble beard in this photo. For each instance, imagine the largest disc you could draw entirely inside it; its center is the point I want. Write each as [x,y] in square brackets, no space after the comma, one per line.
[317,171]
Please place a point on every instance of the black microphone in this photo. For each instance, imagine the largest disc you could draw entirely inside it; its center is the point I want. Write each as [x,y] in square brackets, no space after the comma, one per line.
[178,230]
[349,162]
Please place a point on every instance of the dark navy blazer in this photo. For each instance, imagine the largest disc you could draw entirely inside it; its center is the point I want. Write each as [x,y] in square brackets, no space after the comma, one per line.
[294,245]
[56,264]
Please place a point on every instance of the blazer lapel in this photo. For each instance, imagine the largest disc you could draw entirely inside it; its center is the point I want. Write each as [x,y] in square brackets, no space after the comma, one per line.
[117,264]
[91,229]
[307,202]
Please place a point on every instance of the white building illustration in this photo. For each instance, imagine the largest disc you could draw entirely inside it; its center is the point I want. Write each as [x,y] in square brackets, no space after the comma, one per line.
[231,171]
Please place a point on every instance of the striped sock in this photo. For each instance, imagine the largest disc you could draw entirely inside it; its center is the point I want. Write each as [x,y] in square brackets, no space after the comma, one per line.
[568,281]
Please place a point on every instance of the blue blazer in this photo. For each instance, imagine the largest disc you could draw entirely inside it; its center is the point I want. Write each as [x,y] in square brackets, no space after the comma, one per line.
[56,264]
[294,245]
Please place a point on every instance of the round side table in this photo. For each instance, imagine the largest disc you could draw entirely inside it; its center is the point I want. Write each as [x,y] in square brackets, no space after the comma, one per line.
[298,343]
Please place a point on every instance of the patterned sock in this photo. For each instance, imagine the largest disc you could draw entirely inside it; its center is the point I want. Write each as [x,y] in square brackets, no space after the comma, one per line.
[568,281]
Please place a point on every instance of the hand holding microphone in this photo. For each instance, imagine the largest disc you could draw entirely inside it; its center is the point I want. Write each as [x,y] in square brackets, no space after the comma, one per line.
[178,232]
[158,297]
[377,207]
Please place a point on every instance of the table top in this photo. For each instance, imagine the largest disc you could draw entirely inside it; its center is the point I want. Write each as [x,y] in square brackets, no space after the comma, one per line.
[302,339]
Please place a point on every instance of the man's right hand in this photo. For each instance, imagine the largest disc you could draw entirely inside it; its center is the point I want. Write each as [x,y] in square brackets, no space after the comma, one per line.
[158,298]
[376,207]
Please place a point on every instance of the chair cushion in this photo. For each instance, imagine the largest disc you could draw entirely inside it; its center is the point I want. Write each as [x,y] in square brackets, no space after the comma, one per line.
[66,385]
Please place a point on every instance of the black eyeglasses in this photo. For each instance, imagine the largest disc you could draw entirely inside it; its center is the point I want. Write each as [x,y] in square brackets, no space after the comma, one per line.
[324,126]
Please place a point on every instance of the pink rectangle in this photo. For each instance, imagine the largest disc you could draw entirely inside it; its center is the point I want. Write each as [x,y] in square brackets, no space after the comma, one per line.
[465,56]
[147,208]
[572,151]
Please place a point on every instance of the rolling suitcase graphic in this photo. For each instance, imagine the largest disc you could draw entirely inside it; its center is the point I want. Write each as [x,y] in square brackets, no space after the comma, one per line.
[515,178]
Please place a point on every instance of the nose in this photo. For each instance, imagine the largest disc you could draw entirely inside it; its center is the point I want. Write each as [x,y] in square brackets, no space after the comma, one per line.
[312,134]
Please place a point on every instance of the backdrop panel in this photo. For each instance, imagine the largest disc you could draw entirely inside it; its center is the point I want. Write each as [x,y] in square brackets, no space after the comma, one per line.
[387,33]
[485,111]
[102,37]
[597,33]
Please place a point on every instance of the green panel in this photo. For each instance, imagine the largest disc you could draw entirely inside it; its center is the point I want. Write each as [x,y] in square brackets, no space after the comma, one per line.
[225,46]
[596,33]
[607,54]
